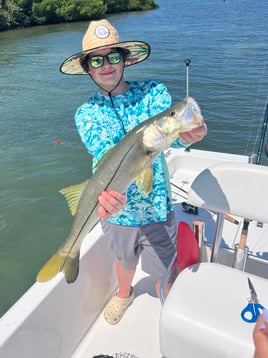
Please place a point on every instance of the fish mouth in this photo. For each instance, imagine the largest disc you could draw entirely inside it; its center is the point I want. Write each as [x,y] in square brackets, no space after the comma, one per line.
[193,106]
[192,113]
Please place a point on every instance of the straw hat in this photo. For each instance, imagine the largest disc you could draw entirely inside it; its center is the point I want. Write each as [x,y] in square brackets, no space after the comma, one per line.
[100,35]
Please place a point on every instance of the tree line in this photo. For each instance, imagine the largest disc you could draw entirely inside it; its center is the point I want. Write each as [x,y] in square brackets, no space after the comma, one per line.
[23,13]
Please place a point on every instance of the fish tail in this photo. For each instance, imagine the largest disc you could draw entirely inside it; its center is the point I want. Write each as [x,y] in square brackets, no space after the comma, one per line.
[51,268]
[71,268]
[57,263]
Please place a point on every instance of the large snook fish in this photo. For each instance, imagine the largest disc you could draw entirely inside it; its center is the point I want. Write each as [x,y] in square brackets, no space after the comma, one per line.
[128,160]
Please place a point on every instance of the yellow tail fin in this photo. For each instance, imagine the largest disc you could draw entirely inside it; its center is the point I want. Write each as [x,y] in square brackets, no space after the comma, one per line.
[51,268]
[57,263]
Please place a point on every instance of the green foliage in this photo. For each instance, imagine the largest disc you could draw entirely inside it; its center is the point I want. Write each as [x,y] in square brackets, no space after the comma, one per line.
[77,10]
[15,13]
[45,12]
[11,15]
[26,6]
[115,6]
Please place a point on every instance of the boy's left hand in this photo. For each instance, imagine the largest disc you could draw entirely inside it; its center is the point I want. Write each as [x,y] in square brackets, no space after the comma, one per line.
[111,202]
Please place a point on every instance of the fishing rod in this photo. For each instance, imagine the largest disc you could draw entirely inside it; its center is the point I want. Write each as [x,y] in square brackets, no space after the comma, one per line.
[241,250]
[226,216]
[264,127]
[187,63]
[244,234]
[260,149]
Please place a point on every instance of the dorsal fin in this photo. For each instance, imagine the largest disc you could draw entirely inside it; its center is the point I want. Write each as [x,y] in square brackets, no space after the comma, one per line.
[73,194]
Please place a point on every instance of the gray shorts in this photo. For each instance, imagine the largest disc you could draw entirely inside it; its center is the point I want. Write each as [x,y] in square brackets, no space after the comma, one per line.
[154,242]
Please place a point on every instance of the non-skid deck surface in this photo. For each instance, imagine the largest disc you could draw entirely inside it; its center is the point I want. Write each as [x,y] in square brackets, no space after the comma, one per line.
[138,331]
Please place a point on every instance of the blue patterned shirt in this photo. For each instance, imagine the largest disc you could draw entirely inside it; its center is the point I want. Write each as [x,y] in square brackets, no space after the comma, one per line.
[100,129]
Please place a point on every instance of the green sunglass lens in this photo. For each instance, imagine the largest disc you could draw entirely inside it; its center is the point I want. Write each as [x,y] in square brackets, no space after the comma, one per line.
[96,61]
[114,58]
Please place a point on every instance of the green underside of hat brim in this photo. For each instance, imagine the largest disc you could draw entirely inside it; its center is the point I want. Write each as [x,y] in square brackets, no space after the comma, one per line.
[139,51]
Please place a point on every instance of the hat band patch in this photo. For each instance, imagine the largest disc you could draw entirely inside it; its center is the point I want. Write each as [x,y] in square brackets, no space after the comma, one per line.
[102,32]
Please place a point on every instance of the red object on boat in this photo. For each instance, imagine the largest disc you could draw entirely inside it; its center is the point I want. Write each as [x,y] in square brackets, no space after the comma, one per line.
[188,252]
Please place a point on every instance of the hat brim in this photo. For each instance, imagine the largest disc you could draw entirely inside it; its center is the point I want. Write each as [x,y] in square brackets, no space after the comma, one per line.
[138,52]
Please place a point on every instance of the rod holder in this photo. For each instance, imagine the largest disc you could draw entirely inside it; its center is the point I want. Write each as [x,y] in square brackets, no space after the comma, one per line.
[199,233]
[240,257]
[217,238]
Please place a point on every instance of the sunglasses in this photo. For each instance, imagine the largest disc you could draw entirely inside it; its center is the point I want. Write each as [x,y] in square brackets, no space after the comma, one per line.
[97,61]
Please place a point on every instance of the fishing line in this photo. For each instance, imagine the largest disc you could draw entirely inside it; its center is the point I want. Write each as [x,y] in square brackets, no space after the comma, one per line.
[264,127]
[261,124]
[187,63]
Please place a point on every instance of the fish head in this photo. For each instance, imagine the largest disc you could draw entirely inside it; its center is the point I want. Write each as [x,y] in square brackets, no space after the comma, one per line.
[165,128]
[192,117]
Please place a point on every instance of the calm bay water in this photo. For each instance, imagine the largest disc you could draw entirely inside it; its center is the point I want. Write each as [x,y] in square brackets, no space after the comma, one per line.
[228,47]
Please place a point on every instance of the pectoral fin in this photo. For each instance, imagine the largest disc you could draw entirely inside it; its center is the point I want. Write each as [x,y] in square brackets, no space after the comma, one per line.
[73,194]
[145,179]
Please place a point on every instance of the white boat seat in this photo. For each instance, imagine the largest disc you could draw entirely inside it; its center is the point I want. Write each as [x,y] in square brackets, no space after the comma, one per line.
[233,188]
[201,315]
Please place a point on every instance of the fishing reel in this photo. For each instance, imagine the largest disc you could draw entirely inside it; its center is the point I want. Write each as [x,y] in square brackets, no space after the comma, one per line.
[189,209]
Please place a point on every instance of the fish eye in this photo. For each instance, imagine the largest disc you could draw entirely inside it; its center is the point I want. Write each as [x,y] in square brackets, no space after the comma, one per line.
[172,113]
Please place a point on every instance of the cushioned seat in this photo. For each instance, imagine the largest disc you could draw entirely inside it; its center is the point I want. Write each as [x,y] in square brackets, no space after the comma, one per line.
[201,315]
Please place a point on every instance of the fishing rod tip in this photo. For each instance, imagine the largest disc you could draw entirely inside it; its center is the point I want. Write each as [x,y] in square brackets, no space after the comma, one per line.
[187,61]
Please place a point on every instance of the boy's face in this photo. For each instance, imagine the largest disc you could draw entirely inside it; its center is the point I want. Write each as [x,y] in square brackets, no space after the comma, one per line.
[108,75]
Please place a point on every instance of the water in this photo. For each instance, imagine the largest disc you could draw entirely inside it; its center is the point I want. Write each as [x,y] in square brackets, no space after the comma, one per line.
[227,45]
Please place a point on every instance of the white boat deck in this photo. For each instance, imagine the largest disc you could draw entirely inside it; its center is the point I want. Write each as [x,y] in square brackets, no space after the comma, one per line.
[136,334]
[56,320]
